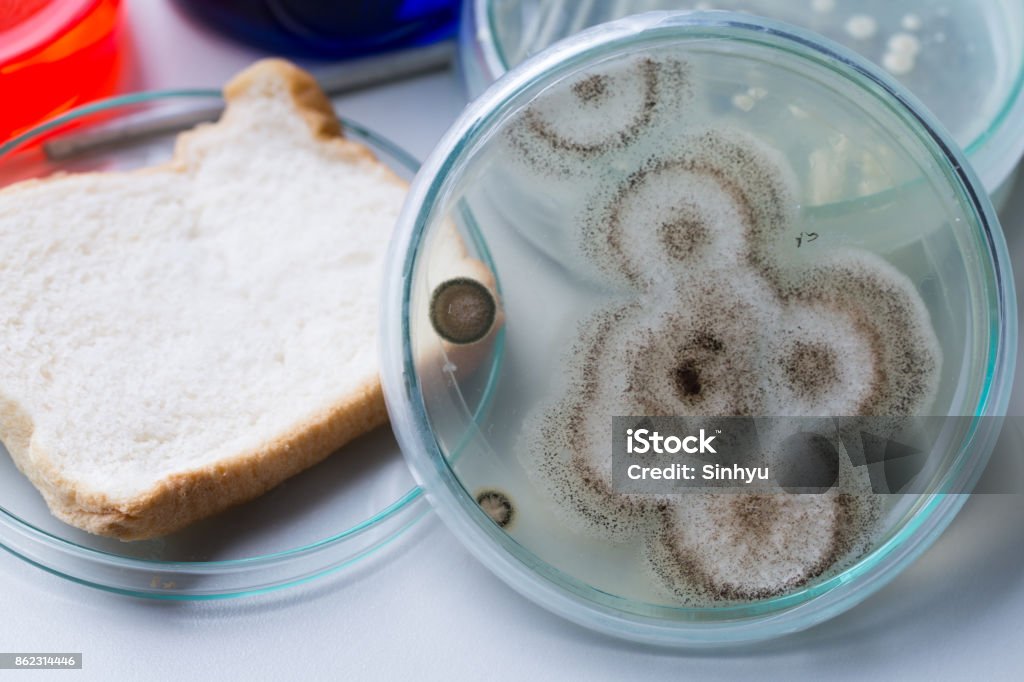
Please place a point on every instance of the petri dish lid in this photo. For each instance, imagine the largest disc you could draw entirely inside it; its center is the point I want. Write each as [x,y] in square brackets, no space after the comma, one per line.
[672,204]
[965,61]
[355,505]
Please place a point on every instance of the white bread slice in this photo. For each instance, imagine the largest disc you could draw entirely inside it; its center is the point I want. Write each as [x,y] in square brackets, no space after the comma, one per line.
[179,339]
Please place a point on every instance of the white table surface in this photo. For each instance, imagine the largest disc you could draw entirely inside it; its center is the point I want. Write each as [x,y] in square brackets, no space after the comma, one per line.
[427,610]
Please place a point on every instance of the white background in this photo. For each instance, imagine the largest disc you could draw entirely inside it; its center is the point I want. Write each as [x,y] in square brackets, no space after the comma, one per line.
[427,610]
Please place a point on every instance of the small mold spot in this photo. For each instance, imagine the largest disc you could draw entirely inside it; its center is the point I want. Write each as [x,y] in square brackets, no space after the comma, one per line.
[496,505]
[687,380]
[462,310]
[683,236]
[687,377]
[592,89]
[811,368]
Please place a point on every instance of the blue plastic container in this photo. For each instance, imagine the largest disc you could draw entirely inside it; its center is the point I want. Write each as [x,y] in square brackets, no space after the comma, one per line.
[329,28]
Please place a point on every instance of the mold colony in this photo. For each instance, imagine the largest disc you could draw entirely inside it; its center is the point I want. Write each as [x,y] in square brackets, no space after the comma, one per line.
[712,320]
[599,125]
[462,310]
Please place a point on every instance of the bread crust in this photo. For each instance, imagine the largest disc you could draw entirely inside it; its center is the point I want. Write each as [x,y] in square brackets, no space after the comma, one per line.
[183,498]
[186,497]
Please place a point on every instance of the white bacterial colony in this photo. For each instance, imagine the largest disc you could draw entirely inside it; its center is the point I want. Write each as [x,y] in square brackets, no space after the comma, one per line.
[714,324]
[745,101]
[911,22]
[901,56]
[861,27]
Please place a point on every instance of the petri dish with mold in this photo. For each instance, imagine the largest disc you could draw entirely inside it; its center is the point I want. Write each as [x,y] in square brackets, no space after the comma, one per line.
[965,61]
[660,253]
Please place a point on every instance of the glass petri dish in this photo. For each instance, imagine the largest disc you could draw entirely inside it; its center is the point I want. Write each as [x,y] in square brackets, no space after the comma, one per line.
[965,61]
[530,160]
[320,522]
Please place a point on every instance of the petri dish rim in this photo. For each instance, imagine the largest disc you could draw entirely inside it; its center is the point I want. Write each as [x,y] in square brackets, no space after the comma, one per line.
[578,601]
[408,507]
[496,63]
